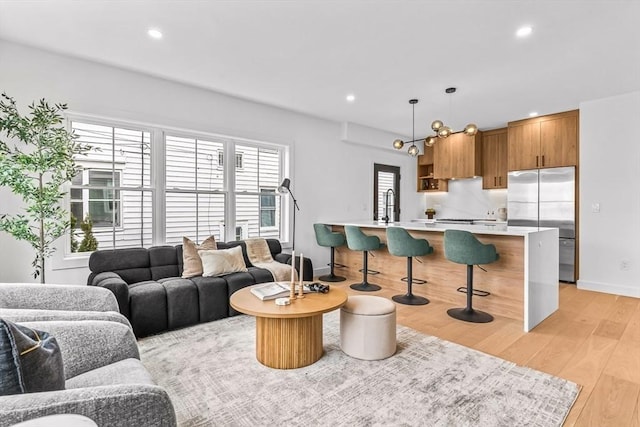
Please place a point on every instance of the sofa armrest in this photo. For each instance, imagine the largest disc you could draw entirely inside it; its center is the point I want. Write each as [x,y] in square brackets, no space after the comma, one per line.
[28,315]
[141,405]
[56,297]
[117,286]
[89,344]
[308,266]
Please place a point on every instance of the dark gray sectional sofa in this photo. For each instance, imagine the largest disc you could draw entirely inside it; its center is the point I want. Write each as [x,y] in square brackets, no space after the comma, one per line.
[150,292]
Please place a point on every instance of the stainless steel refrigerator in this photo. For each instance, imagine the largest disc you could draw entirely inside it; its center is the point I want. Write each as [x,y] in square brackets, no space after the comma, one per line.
[546,198]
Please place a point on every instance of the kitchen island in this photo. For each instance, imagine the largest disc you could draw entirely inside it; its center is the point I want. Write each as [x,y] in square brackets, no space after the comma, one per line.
[523,283]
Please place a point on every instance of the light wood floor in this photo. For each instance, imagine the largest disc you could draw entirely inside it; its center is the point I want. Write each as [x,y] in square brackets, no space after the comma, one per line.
[593,340]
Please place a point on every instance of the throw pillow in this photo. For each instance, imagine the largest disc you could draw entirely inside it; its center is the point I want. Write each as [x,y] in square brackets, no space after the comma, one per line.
[222,261]
[192,264]
[30,360]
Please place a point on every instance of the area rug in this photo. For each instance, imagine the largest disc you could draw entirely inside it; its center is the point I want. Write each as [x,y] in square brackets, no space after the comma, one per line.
[213,378]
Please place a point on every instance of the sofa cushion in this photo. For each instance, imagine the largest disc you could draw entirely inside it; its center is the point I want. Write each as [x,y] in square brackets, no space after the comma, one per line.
[222,261]
[148,308]
[213,297]
[182,302]
[234,282]
[127,371]
[30,360]
[163,261]
[260,275]
[192,264]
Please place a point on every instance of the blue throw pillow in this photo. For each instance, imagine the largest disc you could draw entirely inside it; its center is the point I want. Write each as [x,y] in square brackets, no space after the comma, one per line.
[30,360]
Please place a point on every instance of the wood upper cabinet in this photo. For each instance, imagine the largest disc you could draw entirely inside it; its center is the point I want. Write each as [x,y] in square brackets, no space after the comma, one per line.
[458,156]
[426,179]
[494,159]
[543,142]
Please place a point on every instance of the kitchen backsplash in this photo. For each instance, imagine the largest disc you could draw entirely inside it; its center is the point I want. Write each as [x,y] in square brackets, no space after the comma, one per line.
[466,199]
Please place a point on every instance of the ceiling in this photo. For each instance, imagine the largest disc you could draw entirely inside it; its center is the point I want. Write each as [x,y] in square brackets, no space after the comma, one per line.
[307,55]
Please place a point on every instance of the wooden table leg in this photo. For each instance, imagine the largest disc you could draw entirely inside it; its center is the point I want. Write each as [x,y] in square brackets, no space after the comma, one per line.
[288,343]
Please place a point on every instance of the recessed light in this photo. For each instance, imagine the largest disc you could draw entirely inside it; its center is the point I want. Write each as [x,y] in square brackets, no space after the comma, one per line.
[524,31]
[154,33]
[351,97]
[533,114]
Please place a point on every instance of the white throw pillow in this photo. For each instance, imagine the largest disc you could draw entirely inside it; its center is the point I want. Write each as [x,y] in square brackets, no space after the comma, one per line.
[222,261]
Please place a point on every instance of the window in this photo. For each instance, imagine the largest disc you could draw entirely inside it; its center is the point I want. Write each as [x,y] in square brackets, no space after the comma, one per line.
[113,187]
[238,159]
[256,202]
[99,201]
[189,191]
[267,207]
[195,197]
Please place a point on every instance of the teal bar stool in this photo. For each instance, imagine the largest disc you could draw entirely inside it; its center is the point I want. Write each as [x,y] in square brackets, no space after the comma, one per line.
[401,243]
[462,247]
[330,239]
[358,241]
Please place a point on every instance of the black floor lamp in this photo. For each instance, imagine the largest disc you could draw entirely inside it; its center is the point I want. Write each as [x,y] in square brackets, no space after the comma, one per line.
[284,188]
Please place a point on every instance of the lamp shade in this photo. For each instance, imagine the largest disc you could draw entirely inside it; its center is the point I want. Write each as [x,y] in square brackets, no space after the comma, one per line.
[414,150]
[398,144]
[284,187]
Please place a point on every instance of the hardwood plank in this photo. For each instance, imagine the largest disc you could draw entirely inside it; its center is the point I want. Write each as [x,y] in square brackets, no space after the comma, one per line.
[555,355]
[632,331]
[625,362]
[612,403]
[584,368]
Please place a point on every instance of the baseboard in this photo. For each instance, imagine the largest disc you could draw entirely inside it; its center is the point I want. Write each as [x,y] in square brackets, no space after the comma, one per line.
[608,288]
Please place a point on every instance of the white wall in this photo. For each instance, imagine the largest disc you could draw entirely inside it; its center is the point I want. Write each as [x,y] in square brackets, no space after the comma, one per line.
[609,176]
[466,199]
[331,179]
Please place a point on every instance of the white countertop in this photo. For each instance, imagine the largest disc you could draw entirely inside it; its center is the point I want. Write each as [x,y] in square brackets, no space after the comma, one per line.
[499,229]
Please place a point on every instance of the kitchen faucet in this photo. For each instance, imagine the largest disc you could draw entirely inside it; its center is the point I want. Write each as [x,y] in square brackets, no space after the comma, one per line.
[386,205]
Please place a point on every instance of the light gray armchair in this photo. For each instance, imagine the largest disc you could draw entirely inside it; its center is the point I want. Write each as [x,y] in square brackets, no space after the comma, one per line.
[105,379]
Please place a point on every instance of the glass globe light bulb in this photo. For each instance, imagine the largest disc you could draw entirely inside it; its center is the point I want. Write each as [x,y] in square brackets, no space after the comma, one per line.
[437,124]
[430,140]
[414,150]
[398,144]
[444,132]
[470,129]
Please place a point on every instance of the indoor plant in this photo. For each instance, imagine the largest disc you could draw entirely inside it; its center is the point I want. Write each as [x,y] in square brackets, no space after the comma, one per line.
[37,156]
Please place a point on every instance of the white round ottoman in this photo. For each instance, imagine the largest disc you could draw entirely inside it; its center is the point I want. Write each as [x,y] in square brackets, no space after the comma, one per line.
[368,327]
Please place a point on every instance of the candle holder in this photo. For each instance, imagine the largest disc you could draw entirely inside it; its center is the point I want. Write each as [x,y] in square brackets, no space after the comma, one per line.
[301,290]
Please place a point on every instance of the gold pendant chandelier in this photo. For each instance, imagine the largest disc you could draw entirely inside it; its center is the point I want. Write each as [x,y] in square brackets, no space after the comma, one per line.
[437,126]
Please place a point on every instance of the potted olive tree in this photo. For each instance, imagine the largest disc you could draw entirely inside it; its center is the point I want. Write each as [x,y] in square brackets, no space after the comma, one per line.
[37,156]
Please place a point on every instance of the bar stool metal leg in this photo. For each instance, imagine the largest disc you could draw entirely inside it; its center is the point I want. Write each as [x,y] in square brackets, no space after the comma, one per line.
[409,298]
[468,314]
[331,277]
[365,285]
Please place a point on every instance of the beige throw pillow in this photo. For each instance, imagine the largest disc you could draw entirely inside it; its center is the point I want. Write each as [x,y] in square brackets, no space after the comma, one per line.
[192,264]
[222,261]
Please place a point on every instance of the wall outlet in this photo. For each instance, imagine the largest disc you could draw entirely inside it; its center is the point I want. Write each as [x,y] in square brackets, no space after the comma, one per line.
[624,265]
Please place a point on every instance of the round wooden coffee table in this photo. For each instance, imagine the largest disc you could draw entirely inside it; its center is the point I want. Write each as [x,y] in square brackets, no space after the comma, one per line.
[288,336]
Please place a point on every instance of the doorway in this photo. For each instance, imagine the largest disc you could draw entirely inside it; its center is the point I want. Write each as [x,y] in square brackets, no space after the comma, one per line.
[386,192]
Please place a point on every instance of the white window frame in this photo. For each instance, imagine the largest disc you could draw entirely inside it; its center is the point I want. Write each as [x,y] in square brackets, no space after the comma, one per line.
[64,259]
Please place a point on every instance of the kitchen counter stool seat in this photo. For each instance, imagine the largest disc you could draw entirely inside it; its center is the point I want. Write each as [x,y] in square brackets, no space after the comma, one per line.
[358,241]
[462,247]
[331,239]
[402,244]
